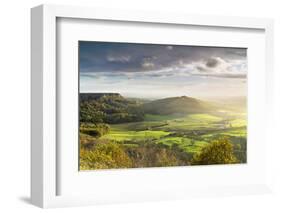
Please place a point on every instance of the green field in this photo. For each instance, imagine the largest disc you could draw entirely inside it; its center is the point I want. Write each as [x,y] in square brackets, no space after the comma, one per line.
[136,139]
[190,132]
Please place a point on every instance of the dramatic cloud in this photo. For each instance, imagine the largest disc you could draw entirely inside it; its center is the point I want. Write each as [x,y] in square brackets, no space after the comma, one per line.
[103,64]
[125,57]
[219,68]
[213,62]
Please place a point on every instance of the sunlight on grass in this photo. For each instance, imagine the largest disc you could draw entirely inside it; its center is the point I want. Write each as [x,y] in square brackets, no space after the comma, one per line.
[134,135]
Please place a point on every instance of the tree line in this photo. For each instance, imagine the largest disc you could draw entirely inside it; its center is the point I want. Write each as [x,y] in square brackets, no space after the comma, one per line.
[110,109]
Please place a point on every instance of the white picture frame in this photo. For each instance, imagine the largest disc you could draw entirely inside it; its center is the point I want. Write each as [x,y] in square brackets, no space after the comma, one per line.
[44,150]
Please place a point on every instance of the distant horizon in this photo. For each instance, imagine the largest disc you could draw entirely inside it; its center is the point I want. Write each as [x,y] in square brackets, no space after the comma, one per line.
[164,97]
[154,71]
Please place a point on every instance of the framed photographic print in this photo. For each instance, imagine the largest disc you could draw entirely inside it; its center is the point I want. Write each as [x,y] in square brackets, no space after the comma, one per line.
[155,105]
[129,106]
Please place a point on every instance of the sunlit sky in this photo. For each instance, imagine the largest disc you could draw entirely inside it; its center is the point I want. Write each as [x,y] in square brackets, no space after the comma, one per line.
[158,71]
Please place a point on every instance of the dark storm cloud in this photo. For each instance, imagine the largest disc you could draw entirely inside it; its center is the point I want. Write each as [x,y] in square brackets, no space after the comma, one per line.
[212,62]
[132,58]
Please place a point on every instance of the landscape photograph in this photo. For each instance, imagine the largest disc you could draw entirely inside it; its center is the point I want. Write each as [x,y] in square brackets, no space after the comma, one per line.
[161,105]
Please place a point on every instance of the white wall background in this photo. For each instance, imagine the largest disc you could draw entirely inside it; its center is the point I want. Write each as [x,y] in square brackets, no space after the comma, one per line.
[15,104]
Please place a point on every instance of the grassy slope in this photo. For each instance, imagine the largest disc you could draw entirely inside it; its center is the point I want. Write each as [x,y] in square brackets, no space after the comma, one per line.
[183,104]
[123,135]
[160,129]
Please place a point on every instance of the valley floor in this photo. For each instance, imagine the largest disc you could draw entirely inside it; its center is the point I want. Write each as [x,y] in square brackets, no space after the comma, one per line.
[187,134]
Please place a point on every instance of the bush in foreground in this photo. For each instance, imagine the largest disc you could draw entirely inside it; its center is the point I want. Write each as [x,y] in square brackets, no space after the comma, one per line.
[104,156]
[217,152]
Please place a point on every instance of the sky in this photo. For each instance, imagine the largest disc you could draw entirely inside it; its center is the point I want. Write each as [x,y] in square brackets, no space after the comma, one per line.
[159,71]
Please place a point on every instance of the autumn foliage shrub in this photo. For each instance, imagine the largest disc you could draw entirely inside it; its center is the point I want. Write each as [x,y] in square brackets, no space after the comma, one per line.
[219,151]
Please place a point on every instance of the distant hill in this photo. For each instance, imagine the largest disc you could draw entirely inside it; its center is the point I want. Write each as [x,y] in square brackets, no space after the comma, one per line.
[183,104]
[113,108]
[109,108]
[95,96]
